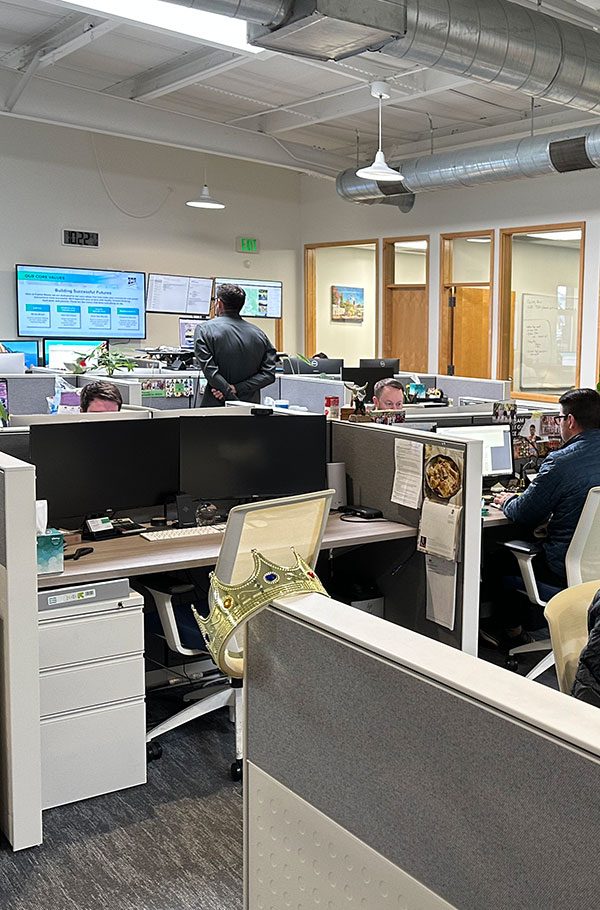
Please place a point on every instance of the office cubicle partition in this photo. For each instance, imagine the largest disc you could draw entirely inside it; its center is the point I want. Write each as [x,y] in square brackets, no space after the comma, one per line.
[20,764]
[29,394]
[309,391]
[418,590]
[384,770]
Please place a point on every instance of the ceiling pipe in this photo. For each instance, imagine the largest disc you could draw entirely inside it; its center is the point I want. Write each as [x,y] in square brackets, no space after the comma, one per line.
[262,12]
[535,156]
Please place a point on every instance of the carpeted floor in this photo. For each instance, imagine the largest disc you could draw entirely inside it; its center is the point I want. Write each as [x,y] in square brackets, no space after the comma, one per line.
[174,844]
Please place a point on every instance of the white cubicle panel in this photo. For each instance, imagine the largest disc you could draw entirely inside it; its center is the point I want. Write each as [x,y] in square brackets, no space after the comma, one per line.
[20,789]
[385,770]
[27,420]
[12,363]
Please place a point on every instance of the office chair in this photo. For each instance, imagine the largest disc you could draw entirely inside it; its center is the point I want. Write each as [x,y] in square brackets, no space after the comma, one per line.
[273,527]
[582,564]
[567,614]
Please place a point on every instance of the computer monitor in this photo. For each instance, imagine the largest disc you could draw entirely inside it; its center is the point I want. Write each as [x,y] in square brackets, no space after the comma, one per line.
[179,295]
[58,353]
[498,456]
[187,332]
[252,456]
[263,298]
[369,375]
[29,348]
[80,303]
[389,363]
[316,366]
[12,363]
[86,468]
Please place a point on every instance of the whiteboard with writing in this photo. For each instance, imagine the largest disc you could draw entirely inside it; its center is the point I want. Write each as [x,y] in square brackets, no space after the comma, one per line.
[548,341]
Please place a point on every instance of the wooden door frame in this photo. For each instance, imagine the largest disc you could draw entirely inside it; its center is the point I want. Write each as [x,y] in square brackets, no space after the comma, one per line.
[505,364]
[446,281]
[389,264]
[310,290]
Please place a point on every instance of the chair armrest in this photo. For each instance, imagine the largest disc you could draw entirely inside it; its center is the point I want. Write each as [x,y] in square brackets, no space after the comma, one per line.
[525,552]
[523,546]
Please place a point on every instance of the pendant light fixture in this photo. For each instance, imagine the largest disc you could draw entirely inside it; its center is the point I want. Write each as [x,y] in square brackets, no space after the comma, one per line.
[379,170]
[205,200]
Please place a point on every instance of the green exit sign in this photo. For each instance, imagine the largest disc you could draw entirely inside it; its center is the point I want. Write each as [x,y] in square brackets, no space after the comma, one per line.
[246,244]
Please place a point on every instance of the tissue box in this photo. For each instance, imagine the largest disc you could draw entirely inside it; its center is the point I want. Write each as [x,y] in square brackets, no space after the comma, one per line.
[50,552]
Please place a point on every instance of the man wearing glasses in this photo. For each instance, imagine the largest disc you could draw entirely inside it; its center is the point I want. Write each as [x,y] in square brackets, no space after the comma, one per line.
[556,496]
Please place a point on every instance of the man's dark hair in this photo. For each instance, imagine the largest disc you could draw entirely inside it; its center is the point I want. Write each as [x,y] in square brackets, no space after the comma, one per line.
[105,391]
[584,405]
[387,383]
[232,296]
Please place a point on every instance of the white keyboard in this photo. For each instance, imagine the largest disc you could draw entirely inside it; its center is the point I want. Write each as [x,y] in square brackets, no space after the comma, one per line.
[176,533]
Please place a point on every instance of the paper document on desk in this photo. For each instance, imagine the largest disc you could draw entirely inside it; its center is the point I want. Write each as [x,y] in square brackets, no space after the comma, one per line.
[408,477]
[439,530]
[441,590]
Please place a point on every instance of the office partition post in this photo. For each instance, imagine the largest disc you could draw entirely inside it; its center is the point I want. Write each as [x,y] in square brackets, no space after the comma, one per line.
[20,799]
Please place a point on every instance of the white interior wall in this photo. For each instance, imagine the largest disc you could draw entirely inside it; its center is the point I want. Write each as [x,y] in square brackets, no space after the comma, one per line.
[351,267]
[527,202]
[49,180]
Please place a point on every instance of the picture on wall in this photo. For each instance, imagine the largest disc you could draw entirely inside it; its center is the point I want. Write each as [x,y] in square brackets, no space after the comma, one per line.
[347,304]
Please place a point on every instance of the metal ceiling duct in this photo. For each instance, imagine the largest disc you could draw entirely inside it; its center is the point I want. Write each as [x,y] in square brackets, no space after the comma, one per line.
[263,12]
[535,156]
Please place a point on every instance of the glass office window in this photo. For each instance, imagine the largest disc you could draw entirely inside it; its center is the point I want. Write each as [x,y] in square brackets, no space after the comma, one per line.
[469,259]
[544,309]
[410,262]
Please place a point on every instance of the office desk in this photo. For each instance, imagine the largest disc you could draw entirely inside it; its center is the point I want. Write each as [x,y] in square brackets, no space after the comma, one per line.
[495,518]
[128,556]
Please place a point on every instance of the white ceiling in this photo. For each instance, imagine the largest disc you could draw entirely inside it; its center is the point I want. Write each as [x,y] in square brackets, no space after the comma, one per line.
[145,83]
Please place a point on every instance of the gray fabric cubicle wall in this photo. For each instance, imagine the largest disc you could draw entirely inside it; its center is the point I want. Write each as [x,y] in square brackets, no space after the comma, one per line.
[27,394]
[486,811]
[368,453]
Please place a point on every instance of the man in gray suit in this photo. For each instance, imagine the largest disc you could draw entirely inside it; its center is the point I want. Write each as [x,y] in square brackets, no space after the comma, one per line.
[236,357]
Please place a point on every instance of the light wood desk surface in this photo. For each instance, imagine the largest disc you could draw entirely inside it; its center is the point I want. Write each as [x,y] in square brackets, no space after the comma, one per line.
[123,557]
[495,518]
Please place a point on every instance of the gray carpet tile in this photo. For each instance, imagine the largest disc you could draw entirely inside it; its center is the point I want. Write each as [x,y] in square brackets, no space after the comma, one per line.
[174,844]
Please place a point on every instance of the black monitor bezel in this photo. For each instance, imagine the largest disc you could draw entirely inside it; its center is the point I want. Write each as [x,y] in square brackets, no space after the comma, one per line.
[180,313]
[241,282]
[21,265]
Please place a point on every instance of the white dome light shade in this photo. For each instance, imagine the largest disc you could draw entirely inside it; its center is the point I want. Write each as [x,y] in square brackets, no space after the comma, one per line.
[379,170]
[205,201]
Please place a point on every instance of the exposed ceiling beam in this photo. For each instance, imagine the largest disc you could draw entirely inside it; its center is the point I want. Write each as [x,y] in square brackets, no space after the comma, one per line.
[67,105]
[170,77]
[349,101]
[69,35]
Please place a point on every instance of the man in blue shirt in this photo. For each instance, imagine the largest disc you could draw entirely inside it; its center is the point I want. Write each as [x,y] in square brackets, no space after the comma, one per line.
[556,496]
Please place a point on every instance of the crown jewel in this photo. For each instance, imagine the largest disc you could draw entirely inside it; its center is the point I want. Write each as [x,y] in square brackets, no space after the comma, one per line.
[231,606]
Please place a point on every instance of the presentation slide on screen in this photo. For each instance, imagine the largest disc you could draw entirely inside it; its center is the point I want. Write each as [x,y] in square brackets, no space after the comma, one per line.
[178,294]
[80,303]
[263,298]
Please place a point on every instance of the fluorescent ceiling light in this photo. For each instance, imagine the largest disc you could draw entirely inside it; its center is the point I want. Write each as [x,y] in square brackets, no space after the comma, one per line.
[208,27]
[478,240]
[556,235]
[411,245]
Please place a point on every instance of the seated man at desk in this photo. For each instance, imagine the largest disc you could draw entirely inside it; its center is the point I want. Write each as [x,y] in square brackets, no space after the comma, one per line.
[100,396]
[556,496]
[388,395]
[236,357]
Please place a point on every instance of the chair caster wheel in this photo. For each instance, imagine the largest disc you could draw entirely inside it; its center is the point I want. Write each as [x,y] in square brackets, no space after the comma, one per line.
[236,770]
[512,664]
[153,751]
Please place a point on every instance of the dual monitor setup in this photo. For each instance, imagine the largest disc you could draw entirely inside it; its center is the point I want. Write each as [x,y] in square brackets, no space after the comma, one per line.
[54,302]
[87,469]
[55,353]
[386,367]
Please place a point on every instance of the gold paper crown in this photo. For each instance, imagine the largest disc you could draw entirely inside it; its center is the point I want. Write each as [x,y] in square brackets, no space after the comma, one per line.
[231,606]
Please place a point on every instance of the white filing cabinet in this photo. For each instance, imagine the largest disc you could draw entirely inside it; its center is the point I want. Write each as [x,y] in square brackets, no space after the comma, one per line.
[93,725]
